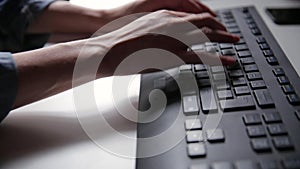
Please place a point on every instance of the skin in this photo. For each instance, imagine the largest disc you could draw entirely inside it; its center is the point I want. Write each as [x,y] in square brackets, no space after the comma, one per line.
[48,71]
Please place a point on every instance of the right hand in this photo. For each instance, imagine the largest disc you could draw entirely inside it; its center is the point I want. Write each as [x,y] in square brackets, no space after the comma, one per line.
[139,35]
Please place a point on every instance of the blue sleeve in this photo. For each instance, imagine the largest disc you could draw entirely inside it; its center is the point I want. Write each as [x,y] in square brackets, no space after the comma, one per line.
[15,16]
[8,83]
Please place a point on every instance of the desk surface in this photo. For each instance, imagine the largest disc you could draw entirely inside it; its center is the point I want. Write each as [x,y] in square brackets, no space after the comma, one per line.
[48,134]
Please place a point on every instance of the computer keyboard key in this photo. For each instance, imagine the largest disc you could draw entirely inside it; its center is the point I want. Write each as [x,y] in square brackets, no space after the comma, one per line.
[215,135]
[269,164]
[193,124]
[268,52]
[228,52]
[256,131]
[194,136]
[260,144]
[247,61]
[198,47]
[251,68]
[234,30]
[278,72]
[235,73]
[190,105]
[217,69]
[246,165]
[260,40]
[293,99]
[256,31]
[222,86]
[199,166]
[252,26]
[219,77]
[263,98]
[272,117]
[254,76]
[272,60]
[187,67]
[276,129]
[202,75]
[259,84]
[241,41]
[200,67]
[222,165]
[244,54]
[196,149]
[204,83]
[283,80]
[225,94]
[208,101]
[242,90]
[238,103]
[225,46]
[239,82]
[235,66]
[288,89]
[282,143]
[241,47]
[250,119]
[293,163]
[264,46]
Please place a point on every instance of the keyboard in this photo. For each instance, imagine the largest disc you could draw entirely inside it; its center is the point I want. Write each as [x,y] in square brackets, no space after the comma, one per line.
[244,116]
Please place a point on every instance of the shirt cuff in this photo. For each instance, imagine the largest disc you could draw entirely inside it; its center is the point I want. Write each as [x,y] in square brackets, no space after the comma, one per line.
[8,83]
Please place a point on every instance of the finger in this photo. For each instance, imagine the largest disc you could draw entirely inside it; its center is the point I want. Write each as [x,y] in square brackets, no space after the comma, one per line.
[200,57]
[205,20]
[222,36]
[205,8]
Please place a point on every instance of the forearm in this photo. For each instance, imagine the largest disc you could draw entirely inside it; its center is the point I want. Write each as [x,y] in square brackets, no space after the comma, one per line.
[48,71]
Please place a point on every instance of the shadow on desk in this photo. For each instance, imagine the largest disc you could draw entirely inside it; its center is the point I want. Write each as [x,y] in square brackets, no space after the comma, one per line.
[23,136]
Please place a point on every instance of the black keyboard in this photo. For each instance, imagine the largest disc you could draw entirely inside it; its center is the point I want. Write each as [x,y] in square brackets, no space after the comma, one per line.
[245,116]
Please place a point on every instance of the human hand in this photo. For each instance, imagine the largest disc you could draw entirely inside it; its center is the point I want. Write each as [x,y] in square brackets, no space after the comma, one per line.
[170,31]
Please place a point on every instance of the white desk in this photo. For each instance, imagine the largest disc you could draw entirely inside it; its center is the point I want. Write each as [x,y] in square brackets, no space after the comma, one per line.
[47,134]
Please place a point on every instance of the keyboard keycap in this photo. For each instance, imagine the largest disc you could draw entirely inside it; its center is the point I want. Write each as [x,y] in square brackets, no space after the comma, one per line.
[272,117]
[193,124]
[215,135]
[239,103]
[219,77]
[199,166]
[204,83]
[217,69]
[259,84]
[190,105]
[183,68]
[269,164]
[200,67]
[225,94]
[263,98]
[260,144]
[247,61]
[256,131]
[228,52]
[293,99]
[254,76]
[241,47]
[222,165]
[236,73]
[202,75]
[288,89]
[196,150]
[225,46]
[278,72]
[250,119]
[223,86]
[242,90]
[239,82]
[208,101]
[260,39]
[276,129]
[282,143]
[291,163]
[272,60]
[256,31]
[244,54]
[194,136]
[283,80]
[246,165]
[268,53]
[251,68]
[264,46]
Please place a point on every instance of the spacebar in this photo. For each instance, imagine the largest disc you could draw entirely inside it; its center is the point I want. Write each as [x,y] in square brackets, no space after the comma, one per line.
[207,98]
[239,103]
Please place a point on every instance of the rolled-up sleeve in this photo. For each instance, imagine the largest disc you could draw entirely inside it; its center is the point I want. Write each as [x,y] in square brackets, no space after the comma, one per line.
[8,83]
[15,16]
